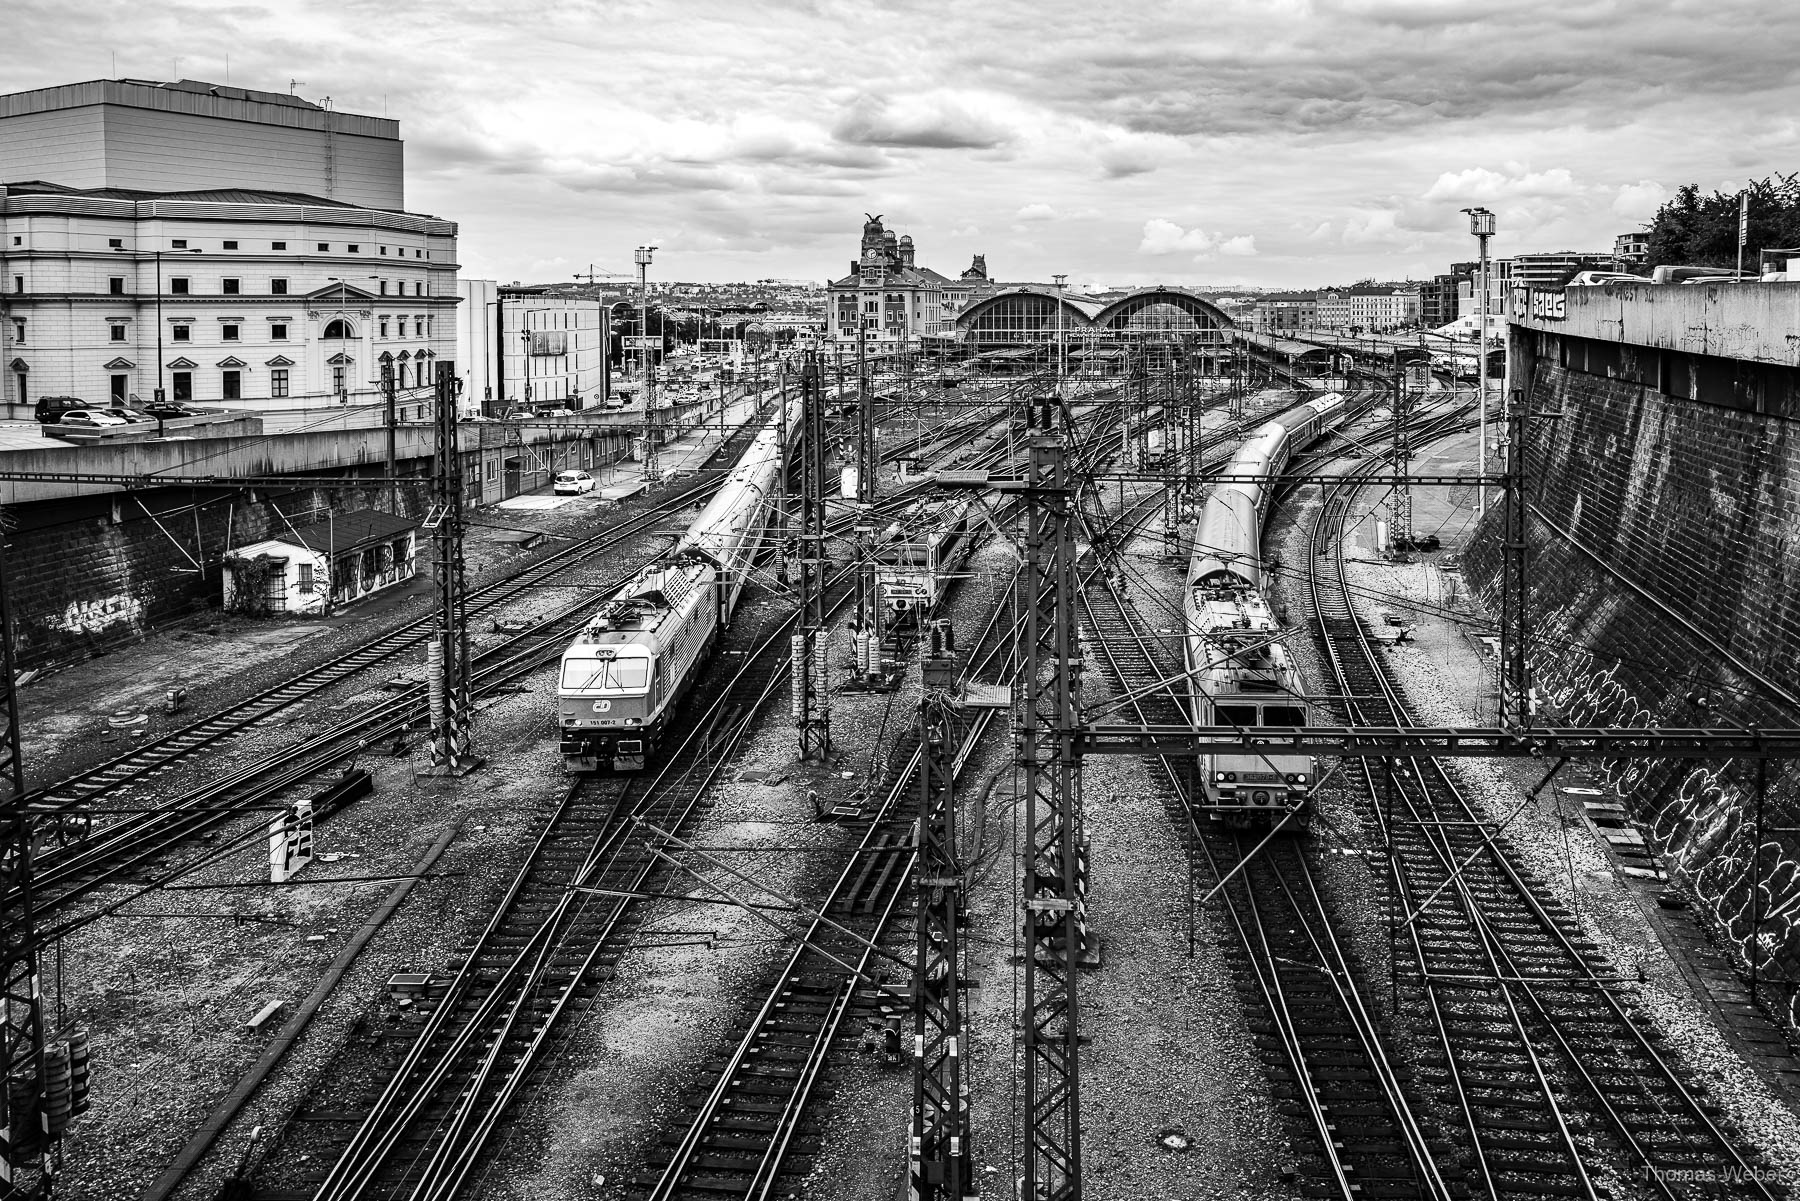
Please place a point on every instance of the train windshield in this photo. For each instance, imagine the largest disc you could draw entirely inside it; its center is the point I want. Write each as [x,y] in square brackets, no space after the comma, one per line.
[1272,715]
[606,675]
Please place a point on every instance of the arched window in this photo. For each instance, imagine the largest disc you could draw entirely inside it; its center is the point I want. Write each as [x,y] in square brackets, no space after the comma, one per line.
[338,329]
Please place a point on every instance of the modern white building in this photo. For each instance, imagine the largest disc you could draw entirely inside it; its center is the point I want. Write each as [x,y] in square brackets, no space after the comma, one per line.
[215,245]
[531,346]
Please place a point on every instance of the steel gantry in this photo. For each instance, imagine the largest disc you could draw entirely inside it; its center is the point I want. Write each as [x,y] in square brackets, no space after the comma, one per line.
[447,655]
[1050,655]
[942,1157]
[26,1160]
[809,688]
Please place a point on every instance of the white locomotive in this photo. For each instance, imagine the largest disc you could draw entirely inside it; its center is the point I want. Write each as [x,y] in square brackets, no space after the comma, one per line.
[1239,673]
[917,558]
[629,667]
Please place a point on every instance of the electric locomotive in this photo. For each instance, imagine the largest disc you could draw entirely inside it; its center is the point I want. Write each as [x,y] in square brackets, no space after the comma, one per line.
[1239,672]
[624,674]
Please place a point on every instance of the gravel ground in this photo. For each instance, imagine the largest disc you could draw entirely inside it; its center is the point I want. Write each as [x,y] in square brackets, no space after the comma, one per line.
[166,986]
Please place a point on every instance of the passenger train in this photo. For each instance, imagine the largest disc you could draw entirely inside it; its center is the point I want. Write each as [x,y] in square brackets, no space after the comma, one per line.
[624,674]
[1239,672]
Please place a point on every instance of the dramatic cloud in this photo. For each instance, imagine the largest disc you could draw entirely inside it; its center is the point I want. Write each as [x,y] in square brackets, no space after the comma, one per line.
[937,122]
[1296,142]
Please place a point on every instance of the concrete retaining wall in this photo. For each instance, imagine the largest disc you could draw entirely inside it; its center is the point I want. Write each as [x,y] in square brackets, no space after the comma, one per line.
[1665,562]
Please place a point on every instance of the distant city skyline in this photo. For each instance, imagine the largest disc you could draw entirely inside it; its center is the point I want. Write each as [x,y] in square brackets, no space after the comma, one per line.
[1251,143]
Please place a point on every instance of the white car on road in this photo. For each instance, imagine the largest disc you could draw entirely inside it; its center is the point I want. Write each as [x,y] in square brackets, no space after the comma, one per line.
[573,483]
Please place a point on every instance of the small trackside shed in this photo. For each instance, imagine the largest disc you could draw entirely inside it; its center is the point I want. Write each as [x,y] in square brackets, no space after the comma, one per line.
[315,568]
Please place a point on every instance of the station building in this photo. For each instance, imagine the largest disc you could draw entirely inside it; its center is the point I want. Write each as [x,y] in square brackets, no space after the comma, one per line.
[213,244]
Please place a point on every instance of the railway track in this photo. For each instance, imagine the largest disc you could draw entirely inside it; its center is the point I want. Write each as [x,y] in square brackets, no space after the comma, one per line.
[1552,1075]
[747,1134]
[1326,1047]
[556,933]
[135,846]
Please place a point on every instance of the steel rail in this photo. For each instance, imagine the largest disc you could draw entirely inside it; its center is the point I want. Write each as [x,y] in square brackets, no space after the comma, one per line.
[1503,969]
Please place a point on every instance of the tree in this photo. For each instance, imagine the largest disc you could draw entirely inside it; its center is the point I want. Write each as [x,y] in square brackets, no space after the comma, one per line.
[1703,230]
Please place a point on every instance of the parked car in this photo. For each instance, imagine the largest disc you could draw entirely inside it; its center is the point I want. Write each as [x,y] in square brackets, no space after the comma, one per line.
[51,408]
[130,415]
[573,483]
[93,419]
[171,408]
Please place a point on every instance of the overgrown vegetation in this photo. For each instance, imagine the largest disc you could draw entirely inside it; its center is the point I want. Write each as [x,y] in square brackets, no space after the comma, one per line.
[1703,230]
[250,582]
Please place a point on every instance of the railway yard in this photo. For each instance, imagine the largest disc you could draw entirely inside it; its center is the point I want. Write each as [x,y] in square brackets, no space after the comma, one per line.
[710,964]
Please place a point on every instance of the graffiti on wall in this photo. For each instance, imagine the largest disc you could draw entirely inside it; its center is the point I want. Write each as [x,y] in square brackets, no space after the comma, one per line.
[99,614]
[1700,817]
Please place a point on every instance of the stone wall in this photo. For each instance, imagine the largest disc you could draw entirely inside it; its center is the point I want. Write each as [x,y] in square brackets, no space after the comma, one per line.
[1664,563]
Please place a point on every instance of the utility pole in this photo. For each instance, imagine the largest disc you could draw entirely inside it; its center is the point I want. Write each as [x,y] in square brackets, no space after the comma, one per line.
[26,1155]
[942,1157]
[1400,500]
[1515,587]
[809,683]
[652,422]
[1481,224]
[447,654]
[868,604]
[1055,916]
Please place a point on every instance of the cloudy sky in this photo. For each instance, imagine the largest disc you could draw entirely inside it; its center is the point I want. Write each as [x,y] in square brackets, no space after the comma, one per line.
[1261,142]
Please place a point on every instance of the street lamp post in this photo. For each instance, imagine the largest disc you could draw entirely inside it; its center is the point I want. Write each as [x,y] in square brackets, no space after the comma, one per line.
[652,459]
[1060,280]
[1481,224]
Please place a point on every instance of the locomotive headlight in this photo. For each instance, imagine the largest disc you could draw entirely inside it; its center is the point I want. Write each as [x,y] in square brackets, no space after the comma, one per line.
[1297,777]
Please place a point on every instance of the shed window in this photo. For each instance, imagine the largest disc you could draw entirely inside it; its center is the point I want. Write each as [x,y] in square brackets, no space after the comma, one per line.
[306,579]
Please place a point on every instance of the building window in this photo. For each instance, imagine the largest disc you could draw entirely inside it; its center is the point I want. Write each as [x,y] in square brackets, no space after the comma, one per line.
[418,254]
[118,332]
[178,286]
[179,243]
[19,240]
[384,250]
[384,332]
[111,243]
[19,379]
[233,383]
[278,332]
[19,330]
[403,327]
[229,332]
[18,283]
[231,245]
[116,388]
[184,384]
[181,333]
[354,248]
[231,287]
[337,329]
[116,285]
[324,245]
[278,382]
[337,379]
[384,287]
[306,579]
[277,245]
[278,287]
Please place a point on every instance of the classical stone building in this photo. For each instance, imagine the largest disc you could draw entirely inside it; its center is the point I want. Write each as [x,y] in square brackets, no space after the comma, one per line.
[890,297]
[216,245]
